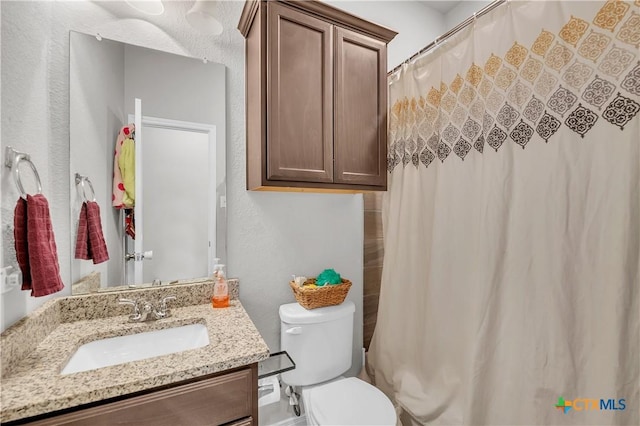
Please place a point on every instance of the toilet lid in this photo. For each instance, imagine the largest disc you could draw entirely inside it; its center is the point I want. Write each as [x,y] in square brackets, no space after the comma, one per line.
[349,401]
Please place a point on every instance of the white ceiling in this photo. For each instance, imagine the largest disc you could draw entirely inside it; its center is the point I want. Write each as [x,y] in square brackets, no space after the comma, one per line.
[442,6]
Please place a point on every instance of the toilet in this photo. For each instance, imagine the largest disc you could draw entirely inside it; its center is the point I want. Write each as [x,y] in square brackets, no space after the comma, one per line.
[320,343]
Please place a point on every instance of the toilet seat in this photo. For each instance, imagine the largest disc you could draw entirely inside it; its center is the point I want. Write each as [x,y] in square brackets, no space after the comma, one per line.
[349,401]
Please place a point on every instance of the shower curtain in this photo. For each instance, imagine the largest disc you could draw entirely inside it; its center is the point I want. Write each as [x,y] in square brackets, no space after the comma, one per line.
[510,284]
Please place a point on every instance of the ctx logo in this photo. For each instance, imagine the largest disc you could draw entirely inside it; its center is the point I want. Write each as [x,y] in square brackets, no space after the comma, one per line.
[589,404]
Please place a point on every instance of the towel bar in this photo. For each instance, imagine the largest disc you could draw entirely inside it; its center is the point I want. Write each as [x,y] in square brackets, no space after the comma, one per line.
[81,180]
[12,159]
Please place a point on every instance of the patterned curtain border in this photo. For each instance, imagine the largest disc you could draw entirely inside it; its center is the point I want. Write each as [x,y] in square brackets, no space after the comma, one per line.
[588,71]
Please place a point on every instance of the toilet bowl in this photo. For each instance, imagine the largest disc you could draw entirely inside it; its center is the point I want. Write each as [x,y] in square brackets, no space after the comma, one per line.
[347,401]
[320,342]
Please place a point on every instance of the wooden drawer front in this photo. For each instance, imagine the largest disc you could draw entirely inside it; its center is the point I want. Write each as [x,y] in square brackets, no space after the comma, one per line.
[212,401]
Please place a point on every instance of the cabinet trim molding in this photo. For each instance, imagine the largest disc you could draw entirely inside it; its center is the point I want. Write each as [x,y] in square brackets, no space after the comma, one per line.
[315,7]
[248,14]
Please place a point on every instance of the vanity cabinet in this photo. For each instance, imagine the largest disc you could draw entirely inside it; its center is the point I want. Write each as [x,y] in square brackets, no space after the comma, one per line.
[223,398]
[316,96]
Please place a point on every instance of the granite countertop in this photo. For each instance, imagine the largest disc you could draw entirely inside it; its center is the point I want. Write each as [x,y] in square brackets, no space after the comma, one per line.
[35,386]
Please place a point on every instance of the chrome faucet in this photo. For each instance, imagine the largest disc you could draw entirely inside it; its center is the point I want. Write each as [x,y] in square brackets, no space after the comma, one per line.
[135,316]
[164,310]
[144,310]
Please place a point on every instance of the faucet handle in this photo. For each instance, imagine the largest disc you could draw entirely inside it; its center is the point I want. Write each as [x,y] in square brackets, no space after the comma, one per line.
[163,302]
[135,316]
[164,311]
[131,302]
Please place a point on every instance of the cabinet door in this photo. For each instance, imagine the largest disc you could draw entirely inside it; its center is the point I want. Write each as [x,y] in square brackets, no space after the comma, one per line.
[360,109]
[300,96]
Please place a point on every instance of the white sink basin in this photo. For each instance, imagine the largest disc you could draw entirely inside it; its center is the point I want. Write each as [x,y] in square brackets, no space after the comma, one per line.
[134,347]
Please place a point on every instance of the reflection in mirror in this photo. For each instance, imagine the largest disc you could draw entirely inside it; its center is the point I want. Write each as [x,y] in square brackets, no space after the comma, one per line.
[178,181]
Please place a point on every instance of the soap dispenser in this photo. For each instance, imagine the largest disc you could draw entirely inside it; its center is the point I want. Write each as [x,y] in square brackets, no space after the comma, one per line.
[220,297]
[216,266]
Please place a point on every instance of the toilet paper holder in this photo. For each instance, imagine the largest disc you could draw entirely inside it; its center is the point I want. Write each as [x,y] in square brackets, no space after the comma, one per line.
[268,379]
[268,390]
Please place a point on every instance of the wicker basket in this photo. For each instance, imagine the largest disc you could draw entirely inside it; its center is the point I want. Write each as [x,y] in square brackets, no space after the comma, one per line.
[318,297]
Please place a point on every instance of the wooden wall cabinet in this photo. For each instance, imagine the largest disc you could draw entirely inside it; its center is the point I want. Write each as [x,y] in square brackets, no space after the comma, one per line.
[316,97]
[229,398]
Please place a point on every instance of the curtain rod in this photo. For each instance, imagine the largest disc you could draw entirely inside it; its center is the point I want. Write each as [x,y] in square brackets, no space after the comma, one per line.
[488,8]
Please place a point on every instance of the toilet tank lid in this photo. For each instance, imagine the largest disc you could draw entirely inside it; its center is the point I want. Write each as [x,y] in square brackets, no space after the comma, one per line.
[293,313]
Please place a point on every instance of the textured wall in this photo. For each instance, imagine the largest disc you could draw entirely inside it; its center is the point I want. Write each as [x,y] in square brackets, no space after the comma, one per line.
[29,124]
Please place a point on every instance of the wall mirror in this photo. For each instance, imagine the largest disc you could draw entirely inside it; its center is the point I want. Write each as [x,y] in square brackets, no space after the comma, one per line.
[176,223]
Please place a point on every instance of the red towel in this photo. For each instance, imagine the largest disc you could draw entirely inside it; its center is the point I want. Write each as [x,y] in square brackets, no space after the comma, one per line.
[20,238]
[90,242]
[36,246]
[82,240]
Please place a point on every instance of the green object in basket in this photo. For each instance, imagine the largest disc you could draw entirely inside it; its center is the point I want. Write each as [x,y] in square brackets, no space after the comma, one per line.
[328,276]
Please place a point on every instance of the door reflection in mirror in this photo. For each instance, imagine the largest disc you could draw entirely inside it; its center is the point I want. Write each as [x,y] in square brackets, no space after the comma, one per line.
[178,211]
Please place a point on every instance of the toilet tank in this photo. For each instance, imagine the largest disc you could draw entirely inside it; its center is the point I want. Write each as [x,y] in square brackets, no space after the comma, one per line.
[319,341]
